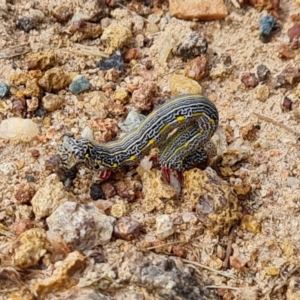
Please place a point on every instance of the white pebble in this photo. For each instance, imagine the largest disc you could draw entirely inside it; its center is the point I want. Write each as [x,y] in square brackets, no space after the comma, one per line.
[18,129]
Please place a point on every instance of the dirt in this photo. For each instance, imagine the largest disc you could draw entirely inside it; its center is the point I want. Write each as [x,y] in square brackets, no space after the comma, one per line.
[261,147]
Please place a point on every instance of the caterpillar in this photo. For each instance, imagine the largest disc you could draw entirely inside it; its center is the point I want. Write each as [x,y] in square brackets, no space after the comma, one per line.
[194,117]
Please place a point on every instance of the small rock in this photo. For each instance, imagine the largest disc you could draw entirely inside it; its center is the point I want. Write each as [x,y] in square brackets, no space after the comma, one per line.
[142,98]
[41,60]
[248,132]
[238,259]
[262,72]
[125,190]
[80,83]
[272,271]
[21,226]
[179,251]
[108,190]
[193,44]
[152,28]
[54,79]
[115,37]
[251,224]
[287,104]
[119,209]
[52,102]
[132,53]
[285,52]
[40,112]
[29,247]
[121,95]
[294,35]
[288,248]
[62,277]
[180,84]
[155,190]
[81,227]
[30,178]
[249,79]
[116,110]
[217,206]
[96,192]
[127,229]
[203,10]
[112,75]
[114,61]
[262,92]
[266,25]
[4,89]
[290,75]
[83,30]
[18,129]
[132,121]
[164,227]
[7,169]
[197,68]
[32,104]
[49,197]
[62,13]
[24,194]
[27,23]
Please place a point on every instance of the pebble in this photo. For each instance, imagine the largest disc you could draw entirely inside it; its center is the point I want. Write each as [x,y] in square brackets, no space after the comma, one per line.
[249,79]
[262,92]
[180,84]
[4,89]
[81,226]
[26,23]
[164,226]
[127,229]
[52,102]
[114,61]
[28,248]
[204,10]
[115,37]
[96,192]
[262,72]
[142,98]
[80,83]
[197,68]
[193,44]
[294,32]
[132,121]
[266,25]
[121,95]
[49,197]
[54,79]
[18,129]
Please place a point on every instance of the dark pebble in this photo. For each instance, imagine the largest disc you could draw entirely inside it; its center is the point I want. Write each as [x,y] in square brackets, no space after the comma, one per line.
[114,61]
[266,26]
[262,72]
[40,112]
[4,89]
[79,85]
[26,23]
[96,192]
[287,104]
[30,178]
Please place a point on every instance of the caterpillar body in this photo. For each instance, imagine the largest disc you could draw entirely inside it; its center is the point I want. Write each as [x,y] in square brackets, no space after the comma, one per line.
[194,117]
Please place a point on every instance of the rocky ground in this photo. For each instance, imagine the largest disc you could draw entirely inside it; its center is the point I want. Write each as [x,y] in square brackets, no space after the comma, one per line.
[230,231]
